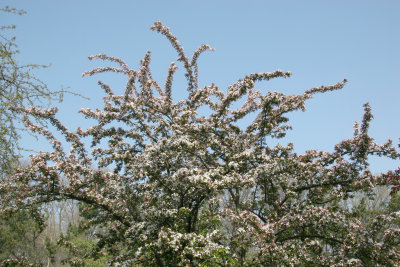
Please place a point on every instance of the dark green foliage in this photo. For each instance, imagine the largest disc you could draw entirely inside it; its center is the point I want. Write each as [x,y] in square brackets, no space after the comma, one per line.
[20,237]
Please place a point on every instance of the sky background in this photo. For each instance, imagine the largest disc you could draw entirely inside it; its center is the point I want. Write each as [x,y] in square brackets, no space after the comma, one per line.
[321,42]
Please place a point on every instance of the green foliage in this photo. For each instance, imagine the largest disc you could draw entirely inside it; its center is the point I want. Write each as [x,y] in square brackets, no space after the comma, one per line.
[19,237]
[366,207]
[394,203]
[51,249]
[81,243]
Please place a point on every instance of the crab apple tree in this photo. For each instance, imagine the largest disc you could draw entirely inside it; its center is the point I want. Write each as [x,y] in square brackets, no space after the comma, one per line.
[167,185]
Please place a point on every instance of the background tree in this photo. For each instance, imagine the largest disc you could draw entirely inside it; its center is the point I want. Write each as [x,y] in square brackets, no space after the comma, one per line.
[188,189]
[18,88]
[80,240]
[22,236]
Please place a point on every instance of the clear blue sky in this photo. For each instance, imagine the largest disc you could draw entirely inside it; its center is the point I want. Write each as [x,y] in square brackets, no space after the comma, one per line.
[321,42]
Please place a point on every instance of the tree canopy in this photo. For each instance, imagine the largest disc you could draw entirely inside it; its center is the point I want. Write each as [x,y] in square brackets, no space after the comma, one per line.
[166,185]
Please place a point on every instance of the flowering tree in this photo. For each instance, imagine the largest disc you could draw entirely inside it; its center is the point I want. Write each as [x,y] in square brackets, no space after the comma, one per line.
[188,189]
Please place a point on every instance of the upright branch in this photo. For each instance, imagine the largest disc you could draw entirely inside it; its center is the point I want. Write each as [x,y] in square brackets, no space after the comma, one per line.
[190,65]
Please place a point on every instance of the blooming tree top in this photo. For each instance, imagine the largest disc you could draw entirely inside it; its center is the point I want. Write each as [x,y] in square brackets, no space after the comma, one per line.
[188,189]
